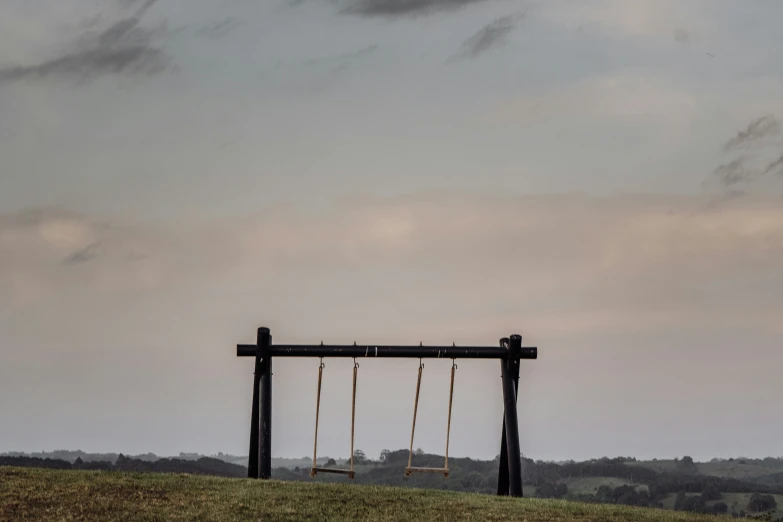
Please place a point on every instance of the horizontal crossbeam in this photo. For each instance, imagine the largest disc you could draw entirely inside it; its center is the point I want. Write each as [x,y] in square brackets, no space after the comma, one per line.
[415,352]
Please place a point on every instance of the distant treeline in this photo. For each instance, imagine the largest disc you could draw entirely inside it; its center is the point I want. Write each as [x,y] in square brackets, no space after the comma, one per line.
[201,466]
[72,455]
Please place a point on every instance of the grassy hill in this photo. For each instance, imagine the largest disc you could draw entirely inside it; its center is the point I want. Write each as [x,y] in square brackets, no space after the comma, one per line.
[39,494]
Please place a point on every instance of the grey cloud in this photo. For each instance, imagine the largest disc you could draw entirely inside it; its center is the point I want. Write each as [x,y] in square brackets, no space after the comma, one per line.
[734,173]
[83,255]
[89,64]
[331,67]
[132,257]
[370,49]
[393,8]
[718,201]
[124,47]
[763,127]
[775,165]
[217,30]
[735,177]
[490,36]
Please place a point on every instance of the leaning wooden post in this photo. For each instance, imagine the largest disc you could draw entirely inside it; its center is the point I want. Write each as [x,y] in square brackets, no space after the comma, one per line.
[252,461]
[511,420]
[503,459]
[265,415]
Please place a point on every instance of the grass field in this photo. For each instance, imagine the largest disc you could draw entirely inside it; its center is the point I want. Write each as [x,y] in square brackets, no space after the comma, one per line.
[36,494]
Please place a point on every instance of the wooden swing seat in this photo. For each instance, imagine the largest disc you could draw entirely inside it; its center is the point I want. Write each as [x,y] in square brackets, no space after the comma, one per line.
[351,473]
[409,471]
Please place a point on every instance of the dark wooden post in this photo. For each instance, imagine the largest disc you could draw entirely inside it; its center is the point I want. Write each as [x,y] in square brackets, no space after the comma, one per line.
[252,461]
[511,422]
[265,415]
[503,464]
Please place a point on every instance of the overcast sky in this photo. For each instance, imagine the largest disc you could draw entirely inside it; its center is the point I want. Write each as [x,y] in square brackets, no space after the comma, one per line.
[603,177]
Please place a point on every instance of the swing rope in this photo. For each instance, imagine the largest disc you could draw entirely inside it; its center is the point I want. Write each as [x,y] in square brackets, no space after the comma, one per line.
[445,469]
[353,407]
[451,397]
[317,412]
[415,409]
[315,469]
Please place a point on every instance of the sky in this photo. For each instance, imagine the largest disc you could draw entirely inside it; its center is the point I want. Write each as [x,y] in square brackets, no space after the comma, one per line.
[602,177]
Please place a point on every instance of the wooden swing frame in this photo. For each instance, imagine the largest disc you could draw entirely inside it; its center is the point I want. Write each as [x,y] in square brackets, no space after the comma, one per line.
[508,354]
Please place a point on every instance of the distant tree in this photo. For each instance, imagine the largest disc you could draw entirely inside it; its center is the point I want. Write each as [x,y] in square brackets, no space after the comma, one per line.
[604,494]
[686,465]
[418,452]
[359,457]
[679,501]
[330,462]
[385,455]
[491,482]
[710,492]
[695,504]
[550,490]
[759,502]
[473,481]
[720,508]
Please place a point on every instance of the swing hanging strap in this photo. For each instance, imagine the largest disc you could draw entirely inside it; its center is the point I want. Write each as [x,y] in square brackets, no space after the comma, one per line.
[415,409]
[317,412]
[445,469]
[448,426]
[353,408]
[315,469]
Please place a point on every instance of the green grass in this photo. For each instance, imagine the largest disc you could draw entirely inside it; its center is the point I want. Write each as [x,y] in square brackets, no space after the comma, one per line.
[35,494]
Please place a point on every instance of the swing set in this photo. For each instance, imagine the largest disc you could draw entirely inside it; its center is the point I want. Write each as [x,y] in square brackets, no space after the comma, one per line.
[510,352]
